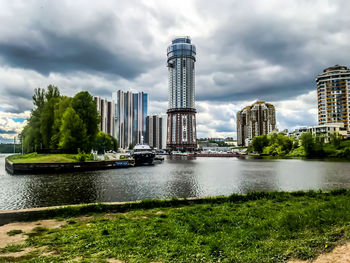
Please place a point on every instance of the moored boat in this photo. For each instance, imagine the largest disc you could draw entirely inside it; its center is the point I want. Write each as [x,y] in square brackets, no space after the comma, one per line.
[142,154]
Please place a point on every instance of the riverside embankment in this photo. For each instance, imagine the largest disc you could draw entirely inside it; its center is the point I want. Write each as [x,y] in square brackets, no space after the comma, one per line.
[257,227]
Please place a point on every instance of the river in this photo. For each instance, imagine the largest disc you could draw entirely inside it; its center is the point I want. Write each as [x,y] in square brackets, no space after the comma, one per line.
[175,177]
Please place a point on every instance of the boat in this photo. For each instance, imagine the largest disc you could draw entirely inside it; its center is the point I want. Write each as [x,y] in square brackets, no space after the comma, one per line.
[142,154]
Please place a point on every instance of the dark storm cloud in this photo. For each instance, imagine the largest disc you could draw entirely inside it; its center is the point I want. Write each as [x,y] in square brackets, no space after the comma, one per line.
[68,53]
[98,45]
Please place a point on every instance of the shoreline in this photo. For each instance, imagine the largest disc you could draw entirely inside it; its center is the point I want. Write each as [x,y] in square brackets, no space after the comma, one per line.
[35,213]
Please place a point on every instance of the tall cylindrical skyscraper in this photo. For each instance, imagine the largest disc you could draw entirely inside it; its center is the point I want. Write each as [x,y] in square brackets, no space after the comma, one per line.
[181,111]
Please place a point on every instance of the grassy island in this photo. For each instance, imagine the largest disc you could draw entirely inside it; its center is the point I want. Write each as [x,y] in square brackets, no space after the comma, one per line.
[43,158]
[257,227]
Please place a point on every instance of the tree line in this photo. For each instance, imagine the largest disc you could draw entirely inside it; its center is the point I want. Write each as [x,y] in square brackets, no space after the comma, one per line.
[306,145]
[62,122]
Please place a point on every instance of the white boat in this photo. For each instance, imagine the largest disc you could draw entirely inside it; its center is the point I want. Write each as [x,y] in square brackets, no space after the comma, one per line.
[143,154]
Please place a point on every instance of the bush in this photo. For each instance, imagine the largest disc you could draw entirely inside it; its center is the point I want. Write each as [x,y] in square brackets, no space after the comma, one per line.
[344,153]
[83,157]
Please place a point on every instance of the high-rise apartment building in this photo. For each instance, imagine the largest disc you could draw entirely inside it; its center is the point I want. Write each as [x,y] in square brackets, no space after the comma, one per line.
[254,120]
[181,133]
[106,109]
[156,131]
[333,94]
[130,117]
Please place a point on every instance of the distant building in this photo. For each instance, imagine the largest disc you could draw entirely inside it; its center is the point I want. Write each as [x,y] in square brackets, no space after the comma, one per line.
[181,60]
[106,109]
[156,131]
[254,120]
[333,93]
[323,130]
[130,117]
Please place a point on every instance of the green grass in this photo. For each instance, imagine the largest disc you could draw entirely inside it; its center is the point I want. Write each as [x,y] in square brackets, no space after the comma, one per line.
[42,158]
[14,232]
[12,248]
[258,227]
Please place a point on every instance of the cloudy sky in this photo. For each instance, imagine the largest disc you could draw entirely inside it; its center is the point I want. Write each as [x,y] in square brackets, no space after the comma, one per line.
[246,50]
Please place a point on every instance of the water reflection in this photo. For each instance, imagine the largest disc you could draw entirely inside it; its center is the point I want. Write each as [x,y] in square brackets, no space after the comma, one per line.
[177,176]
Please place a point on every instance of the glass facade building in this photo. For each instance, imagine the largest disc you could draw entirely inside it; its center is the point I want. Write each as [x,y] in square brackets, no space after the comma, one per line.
[181,60]
[130,117]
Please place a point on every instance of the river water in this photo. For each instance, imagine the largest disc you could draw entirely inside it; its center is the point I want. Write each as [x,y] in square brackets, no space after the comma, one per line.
[175,177]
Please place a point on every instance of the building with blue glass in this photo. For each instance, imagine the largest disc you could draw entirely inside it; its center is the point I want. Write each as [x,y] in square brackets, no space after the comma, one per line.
[181,133]
[130,117]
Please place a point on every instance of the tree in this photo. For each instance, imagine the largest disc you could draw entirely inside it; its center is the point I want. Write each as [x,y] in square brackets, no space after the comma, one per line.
[335,139]
[259,142]
[47,118]
[59,110]
[85,106]
[73,132]
[46,127]
[106,142]
[307,141]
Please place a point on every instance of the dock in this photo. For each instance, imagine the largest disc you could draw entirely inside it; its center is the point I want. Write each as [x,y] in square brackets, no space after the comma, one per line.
[36,168]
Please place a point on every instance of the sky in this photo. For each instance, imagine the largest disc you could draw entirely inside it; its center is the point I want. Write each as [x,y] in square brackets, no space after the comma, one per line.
[252,50]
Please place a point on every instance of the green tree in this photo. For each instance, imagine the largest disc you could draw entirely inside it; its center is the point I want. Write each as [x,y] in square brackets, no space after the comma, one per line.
[47,118]
[73,131]
[32,139]
[307,141]
[85,106]
[259,142]
[335,139]
[106,142]
[60,108]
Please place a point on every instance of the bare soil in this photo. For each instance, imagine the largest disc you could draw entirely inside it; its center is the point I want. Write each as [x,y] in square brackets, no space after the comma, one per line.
[26,227]
[340,254]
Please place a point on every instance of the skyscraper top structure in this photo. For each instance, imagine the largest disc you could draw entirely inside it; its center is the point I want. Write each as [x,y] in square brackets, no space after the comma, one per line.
[181,133]
[254,120]
[333,94]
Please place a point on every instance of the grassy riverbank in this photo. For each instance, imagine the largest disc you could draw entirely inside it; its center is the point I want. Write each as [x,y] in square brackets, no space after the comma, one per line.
[258,227]
[42,158]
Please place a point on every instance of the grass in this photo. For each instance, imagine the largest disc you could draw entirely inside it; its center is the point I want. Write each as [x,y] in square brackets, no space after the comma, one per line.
[14,232]
[42,158]
[257,227]
[12,248]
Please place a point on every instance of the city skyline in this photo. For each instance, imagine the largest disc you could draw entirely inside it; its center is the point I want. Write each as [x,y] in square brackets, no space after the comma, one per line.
[261,50]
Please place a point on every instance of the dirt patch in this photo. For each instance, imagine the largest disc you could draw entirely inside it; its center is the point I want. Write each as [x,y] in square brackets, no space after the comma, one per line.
[340,254]
[18,254]
[26,227]
[159,212]
[112,260]
[84,218]
[42,250]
